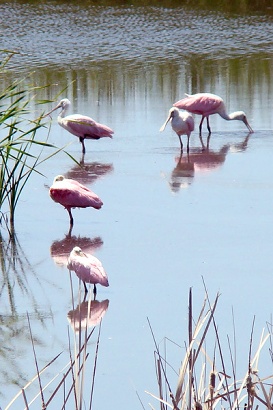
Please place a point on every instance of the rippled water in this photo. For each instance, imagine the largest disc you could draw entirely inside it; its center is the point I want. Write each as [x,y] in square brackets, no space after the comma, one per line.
[64,34]
[168,220]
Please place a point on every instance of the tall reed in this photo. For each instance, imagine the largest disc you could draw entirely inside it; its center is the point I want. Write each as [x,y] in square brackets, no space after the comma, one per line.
[21,152]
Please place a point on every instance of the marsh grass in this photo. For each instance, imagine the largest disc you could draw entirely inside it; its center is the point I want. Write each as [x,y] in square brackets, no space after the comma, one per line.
[207,379]
[21,152]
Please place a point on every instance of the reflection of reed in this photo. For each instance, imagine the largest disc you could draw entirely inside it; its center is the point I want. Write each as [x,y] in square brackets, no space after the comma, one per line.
[16,272]
[18,280]
[87,314]
[88,172]
[60,250]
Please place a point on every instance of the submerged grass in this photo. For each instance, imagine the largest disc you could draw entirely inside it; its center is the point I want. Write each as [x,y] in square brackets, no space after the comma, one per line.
[203,381]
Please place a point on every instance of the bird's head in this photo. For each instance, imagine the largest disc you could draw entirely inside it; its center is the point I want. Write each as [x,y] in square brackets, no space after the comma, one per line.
[59,178]
[174,112]
[240,115]
[77,250]
[63,104]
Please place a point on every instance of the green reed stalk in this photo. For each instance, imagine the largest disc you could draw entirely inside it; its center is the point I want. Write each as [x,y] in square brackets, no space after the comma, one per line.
[20,151]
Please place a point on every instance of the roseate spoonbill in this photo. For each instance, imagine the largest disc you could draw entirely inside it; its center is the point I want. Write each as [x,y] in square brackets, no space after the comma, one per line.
[80,125]
[88,268]
[72,194]
[181,122]
[206,104]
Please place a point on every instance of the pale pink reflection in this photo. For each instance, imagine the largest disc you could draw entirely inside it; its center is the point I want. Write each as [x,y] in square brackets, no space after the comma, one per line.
[87,173]
[60,250]
[87,314]
[201,160]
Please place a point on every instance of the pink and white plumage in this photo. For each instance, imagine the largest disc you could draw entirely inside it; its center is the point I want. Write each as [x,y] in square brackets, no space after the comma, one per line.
[72,194]
[181,122]
[87,267]
[81,125]
[207,104]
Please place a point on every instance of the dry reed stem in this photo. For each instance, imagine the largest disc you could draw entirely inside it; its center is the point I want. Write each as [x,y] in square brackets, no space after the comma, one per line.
[227,388]
[95,367]
[25,399]
[36,364]
[164,373]
[200,323]
[30,382]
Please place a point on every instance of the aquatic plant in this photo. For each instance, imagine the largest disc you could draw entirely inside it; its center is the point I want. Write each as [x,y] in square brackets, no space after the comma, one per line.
[21,152]
[209,381]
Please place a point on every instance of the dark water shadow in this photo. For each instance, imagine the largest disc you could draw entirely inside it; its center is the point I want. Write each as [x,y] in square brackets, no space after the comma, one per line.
[89,172]
[201,159]
[61,249]
[87,314]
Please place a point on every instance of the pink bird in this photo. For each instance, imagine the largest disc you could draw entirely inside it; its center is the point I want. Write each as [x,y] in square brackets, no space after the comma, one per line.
[88,268]
[206,104]
[80,125]
[72,194]
[182,123]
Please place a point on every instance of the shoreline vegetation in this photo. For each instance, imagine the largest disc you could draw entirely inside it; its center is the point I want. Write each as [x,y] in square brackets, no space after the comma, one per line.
[207,378]
[18,157]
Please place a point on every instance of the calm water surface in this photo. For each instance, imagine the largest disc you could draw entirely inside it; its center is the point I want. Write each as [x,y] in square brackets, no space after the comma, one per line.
[168,222]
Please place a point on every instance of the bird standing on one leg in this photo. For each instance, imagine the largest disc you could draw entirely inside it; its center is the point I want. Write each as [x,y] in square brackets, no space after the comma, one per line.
[80,125]
[182,123]
[207,104]
[88,268]
[72,194]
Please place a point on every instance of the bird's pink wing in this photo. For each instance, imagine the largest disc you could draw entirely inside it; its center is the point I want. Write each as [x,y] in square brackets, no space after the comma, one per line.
[89,269]
[98,270]
[200,104]
[72,194]
[84,126]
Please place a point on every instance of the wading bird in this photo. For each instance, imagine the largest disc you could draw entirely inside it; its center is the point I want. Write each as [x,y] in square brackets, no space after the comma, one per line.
[72,194]
[182,123]
[80,125]
[88,268]
[206,104]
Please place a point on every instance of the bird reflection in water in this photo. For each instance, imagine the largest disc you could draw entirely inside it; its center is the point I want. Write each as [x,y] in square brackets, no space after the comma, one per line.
[87,173]
[182,173]
[88,313]
[201,160]
[61,249]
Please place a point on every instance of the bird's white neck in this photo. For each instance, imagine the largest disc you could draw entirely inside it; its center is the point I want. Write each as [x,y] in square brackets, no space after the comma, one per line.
[237,115]
[63,112]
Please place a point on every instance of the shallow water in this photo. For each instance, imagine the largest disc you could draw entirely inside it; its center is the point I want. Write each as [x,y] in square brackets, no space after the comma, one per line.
[168,222]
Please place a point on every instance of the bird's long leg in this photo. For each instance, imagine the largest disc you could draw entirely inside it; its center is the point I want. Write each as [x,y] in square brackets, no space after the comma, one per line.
[209,130]
[85,288]
[188,146]
[181,143]
[208,140]
[200,126]
[71,217]
[83,146]
[68,235]
[95,291]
